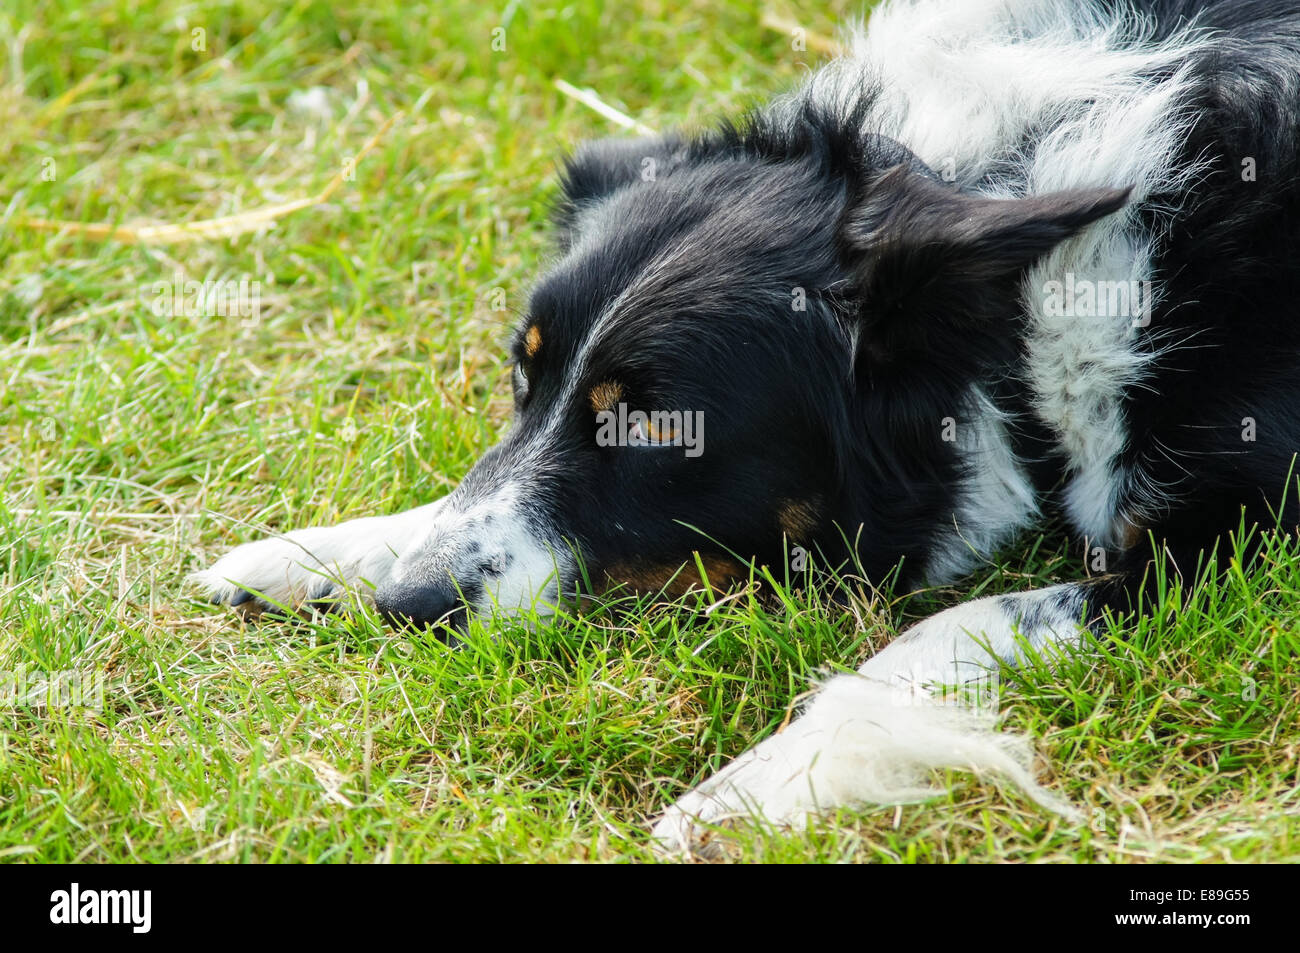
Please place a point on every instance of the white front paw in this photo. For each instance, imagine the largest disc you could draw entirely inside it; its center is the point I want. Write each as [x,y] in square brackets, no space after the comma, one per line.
[860,742]
[771,782]
[305,566]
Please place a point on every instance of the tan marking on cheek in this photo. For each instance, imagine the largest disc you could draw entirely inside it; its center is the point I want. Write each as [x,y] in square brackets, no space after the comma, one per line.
[722,570]
[605,396]
[533,341]
[665,577]
[1129,534]
[798,518]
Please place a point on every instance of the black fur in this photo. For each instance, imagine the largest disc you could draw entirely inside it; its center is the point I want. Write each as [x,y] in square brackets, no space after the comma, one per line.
[683,258]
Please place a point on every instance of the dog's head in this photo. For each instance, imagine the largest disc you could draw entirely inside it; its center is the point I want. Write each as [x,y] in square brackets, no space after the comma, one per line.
[749,342]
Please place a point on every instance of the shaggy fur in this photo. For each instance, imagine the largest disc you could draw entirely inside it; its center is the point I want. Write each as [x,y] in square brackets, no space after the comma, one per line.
[1005,259]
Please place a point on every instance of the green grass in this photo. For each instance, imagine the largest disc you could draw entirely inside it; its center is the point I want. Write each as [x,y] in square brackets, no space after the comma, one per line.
[140,447]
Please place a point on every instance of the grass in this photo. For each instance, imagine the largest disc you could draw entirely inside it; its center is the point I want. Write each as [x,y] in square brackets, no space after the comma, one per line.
[140,446]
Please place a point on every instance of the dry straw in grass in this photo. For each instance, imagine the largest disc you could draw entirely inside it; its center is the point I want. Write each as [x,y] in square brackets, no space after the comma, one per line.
[788,26]
[227,226]
[770,20]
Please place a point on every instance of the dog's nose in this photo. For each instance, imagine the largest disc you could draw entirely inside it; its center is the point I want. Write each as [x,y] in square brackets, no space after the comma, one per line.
[422,605]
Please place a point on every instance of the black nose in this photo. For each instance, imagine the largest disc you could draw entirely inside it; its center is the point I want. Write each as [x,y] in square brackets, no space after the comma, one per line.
[422,605]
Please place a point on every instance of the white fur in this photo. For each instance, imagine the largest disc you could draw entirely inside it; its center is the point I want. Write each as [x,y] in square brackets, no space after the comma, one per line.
[496,523]
[319,561]
[968,642]
[418,544]
[997,500]
[964,81]
[859,742]
[871,738]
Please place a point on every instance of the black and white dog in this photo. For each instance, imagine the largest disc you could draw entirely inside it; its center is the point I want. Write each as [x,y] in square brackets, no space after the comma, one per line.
[1005,258]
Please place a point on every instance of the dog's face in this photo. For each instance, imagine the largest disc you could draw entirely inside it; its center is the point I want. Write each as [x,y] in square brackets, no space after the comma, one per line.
[716,370]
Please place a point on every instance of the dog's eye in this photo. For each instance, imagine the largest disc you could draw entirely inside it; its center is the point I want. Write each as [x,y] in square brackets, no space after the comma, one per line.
[520,381]
[666,433]
[649,433]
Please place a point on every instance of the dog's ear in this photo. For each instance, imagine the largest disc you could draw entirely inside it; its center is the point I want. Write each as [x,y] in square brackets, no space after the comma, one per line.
[932,266]
[601,167]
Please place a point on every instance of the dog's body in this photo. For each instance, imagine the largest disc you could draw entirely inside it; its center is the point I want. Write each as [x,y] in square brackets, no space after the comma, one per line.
[1005,258]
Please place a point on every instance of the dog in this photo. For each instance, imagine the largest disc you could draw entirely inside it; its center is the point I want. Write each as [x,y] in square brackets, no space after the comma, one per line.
[1005,260]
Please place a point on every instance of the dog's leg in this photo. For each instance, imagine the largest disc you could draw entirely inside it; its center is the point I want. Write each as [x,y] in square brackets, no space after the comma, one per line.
[873,736]
[317,564]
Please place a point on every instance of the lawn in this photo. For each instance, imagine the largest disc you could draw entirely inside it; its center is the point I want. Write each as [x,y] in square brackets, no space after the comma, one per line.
[143,440]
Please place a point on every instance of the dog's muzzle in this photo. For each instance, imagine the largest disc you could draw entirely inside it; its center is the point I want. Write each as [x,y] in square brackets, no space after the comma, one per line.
[424,604]
[488,550]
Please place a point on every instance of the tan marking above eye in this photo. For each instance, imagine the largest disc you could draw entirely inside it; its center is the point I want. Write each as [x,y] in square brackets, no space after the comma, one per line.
[605,396]
[533,341]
